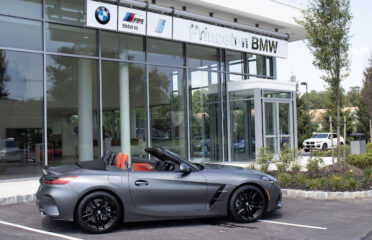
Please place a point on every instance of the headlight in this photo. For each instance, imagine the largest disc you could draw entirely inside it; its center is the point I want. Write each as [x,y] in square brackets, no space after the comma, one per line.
[270,179]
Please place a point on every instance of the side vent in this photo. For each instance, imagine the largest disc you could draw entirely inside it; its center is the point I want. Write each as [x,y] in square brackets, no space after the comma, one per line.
[216,195]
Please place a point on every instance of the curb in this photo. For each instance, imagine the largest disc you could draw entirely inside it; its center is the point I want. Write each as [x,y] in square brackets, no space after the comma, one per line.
[17,199]
[322,195]
[289,193]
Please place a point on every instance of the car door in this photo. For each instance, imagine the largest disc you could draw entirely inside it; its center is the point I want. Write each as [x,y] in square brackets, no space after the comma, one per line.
[168,193]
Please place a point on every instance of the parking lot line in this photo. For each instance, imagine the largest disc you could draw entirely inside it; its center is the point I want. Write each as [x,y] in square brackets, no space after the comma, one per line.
[39,231]
[292,224]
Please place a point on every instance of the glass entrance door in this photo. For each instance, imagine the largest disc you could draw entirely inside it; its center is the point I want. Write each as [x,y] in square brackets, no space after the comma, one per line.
[277,125]
[243,142]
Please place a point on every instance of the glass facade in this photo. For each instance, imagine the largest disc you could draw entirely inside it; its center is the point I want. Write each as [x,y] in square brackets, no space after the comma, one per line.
[69,93]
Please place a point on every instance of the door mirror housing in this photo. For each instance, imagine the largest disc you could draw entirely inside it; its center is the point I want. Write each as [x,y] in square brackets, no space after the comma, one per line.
[184,168]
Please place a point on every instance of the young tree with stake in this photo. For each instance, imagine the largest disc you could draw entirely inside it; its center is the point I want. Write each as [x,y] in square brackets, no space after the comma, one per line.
[327,23]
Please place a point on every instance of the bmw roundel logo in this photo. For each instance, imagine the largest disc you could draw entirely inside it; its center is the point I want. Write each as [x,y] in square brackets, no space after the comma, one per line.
[102,15]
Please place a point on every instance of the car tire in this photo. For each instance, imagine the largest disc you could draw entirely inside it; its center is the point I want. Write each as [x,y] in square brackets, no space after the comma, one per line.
[306,150]
[247,204]
[324,147]
[98,212]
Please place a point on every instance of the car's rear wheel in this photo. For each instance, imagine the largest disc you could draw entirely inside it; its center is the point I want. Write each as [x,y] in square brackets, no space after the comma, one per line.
[99,212]
[324,147]
[247,204]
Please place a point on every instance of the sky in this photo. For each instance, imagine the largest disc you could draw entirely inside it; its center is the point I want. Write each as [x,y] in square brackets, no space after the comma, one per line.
[299,61]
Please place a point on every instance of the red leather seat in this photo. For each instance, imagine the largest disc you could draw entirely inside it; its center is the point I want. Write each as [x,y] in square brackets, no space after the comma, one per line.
[119,161]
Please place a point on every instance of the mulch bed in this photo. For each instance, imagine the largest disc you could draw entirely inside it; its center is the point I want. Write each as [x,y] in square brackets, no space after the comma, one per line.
[328,172]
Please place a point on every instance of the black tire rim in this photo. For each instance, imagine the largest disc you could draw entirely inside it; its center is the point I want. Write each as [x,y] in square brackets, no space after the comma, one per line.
[100,213]
[249,204]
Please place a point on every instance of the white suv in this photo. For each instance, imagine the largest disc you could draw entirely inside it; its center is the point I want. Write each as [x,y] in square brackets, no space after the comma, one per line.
[321,141]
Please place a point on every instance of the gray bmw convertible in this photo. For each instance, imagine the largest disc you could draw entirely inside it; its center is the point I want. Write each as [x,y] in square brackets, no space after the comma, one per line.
[100,194]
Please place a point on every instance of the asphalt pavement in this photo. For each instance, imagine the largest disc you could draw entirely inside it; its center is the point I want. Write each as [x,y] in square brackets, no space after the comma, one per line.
[298,219]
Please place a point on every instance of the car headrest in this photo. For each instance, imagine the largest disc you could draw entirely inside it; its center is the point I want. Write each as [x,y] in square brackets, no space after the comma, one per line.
[156,151]
[106,157]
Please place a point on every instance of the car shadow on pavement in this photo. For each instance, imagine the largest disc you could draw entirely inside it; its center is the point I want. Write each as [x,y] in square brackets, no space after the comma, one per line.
[66,227]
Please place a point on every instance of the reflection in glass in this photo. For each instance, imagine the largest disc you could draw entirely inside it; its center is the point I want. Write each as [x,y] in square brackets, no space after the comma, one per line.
[73,112]
[23,8]
[114,75]
[235,77]
[21,111]
[205,58]
[269,66]
[284,118]
[165,52]
[67,11]
[256,64]
[20,33]
[234,62]
[271,118]
[122,46]
[276,94]
[243,94]
[167,107]
[206,133]
[243,141]
[71,40]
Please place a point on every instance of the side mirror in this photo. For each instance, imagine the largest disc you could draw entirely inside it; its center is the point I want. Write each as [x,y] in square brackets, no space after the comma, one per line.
[185,168]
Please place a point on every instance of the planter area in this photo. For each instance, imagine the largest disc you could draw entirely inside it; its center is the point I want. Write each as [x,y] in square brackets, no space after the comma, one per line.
[318,177]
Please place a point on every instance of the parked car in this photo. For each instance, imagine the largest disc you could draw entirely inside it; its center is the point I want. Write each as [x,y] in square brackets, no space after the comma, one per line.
[100,194]
[322,141]
[9,151]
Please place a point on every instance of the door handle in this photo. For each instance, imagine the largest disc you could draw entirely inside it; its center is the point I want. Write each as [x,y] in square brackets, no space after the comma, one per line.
[141,183]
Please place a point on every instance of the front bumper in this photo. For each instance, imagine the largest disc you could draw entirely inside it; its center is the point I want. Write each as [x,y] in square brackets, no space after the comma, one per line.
[313,146]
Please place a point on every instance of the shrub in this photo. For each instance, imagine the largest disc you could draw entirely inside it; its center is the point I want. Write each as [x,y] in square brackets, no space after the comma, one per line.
[345,182]
[313,165]
[286,157]
[300,178]
[369,147]
[264,157]
[296,168]
[360,160]
[367,175]
[314,183]
[284,179]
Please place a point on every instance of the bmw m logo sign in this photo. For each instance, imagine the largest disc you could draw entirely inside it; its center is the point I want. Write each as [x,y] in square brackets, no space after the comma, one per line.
[133,18]
[102,15]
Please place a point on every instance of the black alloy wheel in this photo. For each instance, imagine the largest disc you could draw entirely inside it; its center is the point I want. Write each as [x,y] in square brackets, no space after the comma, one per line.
[99,212]
[324,147]
[247,204]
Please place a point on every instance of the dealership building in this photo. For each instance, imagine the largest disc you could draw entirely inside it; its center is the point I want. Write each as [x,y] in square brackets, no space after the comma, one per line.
[198,77]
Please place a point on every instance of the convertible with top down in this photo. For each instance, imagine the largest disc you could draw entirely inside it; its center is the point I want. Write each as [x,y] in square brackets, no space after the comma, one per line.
[100,194]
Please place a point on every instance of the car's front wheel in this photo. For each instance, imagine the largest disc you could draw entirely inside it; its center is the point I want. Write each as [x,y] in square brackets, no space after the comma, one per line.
[324,147]
[247,204]
[98,212]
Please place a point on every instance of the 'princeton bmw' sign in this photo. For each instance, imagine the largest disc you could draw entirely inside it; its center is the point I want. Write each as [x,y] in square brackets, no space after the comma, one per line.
[134,21]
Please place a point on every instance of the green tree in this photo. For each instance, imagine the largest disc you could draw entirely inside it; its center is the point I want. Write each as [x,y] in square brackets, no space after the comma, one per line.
[364,113]
[353,97]
[367,87]
[327,23]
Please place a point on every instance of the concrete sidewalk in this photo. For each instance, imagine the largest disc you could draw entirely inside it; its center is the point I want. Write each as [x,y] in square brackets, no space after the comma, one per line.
[18,191]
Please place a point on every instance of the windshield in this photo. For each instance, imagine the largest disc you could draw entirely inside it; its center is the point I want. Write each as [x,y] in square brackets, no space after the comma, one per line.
[321,135]
[177,156]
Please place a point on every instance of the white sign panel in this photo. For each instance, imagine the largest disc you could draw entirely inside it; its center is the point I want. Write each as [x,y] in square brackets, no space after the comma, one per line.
[159,25]
[102,15]
[207,34]
[132,21]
